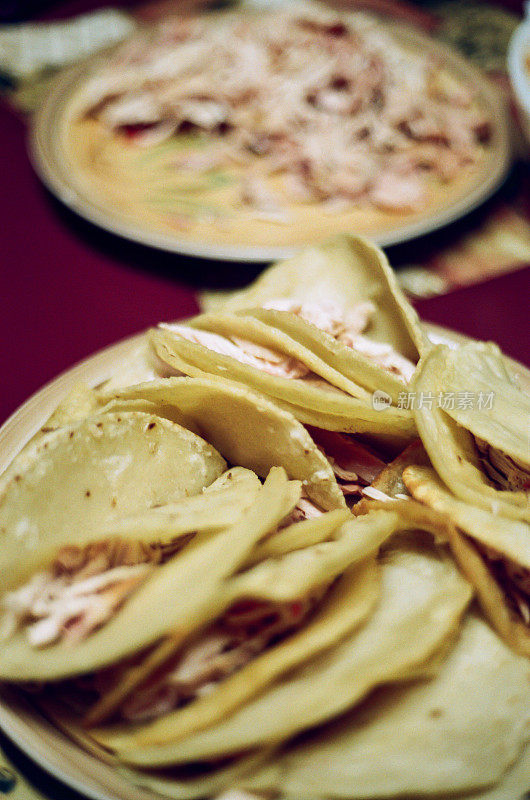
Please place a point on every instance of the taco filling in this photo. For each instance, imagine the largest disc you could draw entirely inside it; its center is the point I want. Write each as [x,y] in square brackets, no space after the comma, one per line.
[347,327]
[81,590]
[244,351]
[354,464]
[244,631]
[333,104]
[505,472]
[304,509]
[289,580]
[513,578]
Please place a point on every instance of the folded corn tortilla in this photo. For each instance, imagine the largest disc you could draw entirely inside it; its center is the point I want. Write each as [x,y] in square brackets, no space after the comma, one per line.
[292,576]
[423,598]
[342,272]
[493,551]
[450,435]
[93,466]
[320,404]
[248,429]
[456,732]
[177,596]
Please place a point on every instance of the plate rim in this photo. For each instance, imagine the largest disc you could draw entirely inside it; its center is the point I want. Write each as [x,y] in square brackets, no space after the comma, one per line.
[44,151]
[16,715]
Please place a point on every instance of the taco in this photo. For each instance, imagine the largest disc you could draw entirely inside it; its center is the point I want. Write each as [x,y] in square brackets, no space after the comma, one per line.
[289,337]
[474,426]
[338,277]
[298,382]
[344,464]
[133,523]
[230,638]
[248,429]
[342,301]
[90,600]
[456,732]
[120,588]
[422,600]
[494,555]
[93,467]
[281,612]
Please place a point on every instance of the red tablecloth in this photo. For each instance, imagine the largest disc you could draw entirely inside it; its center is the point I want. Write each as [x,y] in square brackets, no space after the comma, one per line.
[69,289]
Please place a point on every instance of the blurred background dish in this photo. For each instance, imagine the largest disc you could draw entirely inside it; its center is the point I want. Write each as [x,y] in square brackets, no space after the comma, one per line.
[98,175]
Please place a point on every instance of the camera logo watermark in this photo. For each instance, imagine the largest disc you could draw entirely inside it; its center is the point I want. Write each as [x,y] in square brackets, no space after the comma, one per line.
[380,400]
[447,401]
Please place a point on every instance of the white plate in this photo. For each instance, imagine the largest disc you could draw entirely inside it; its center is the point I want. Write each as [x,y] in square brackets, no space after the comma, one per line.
[19,719]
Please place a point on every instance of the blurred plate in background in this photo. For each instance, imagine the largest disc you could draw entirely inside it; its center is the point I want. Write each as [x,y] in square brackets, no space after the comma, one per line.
[107,182]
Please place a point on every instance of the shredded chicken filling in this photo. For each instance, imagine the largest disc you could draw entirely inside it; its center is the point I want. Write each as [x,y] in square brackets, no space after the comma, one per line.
[505,472]
[304,509]
[81,590]
[347,328]
[241,634]
[253,355]
[514,580]
[332,103]
[354,465]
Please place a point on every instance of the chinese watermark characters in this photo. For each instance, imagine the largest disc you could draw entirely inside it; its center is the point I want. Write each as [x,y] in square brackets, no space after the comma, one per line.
[447,401]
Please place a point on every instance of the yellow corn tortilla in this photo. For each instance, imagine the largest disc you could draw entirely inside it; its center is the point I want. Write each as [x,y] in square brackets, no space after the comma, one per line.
[196,783]
[281,578]
[506,424]
[343,359]
[178,596]
[473,565]
[93,467]
[299,535]
[343,271]
[507,537]
[451,446]
[251,327]
[217,506]
[458,731]
[291,576]
[248,429]
[346,606]
[422,600]
[393,429]
[179,784]
[314,405]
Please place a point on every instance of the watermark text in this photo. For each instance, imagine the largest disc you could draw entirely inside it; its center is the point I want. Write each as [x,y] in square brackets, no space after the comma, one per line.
[447,401]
